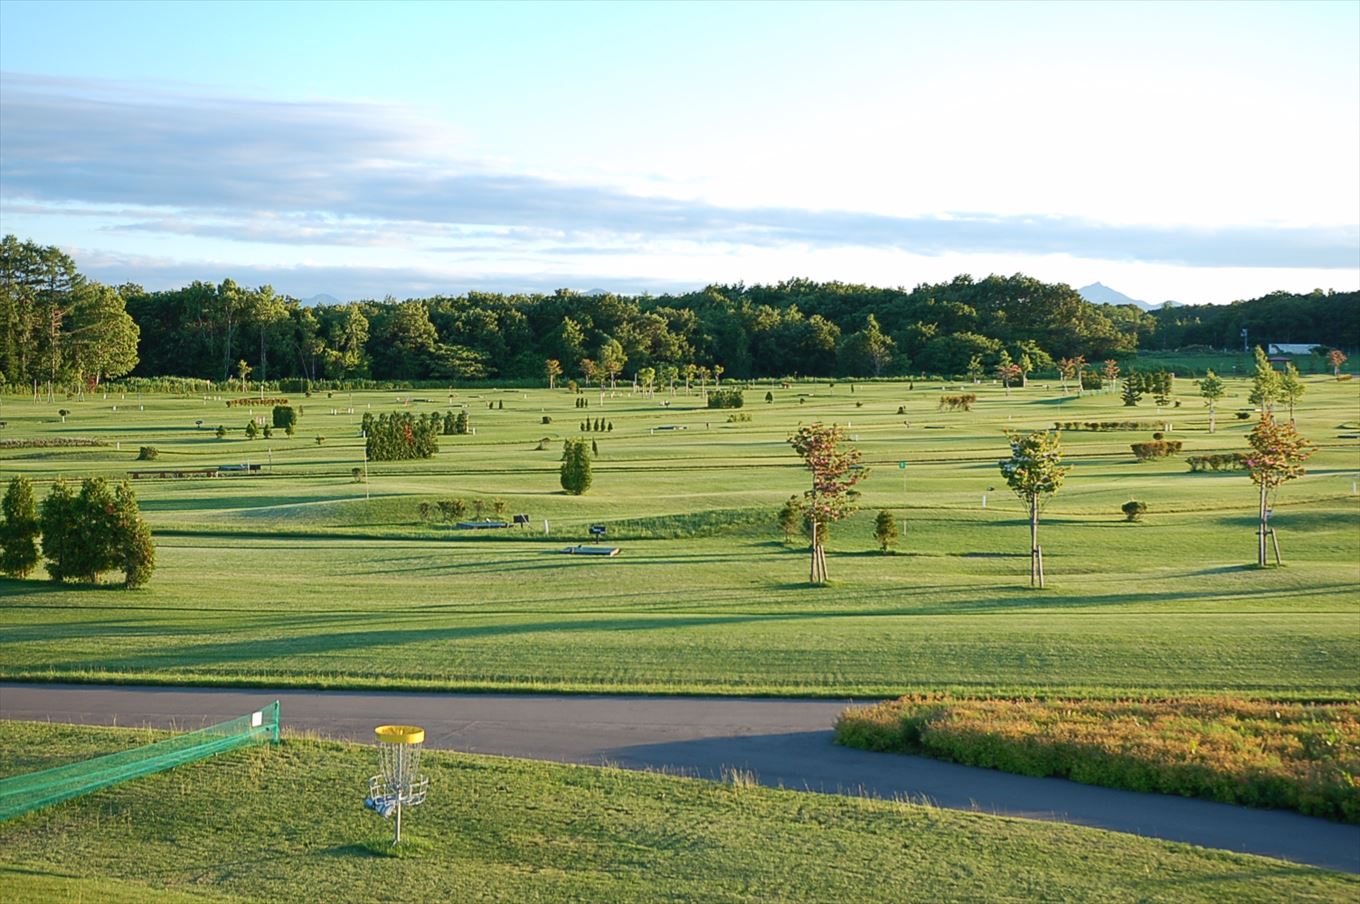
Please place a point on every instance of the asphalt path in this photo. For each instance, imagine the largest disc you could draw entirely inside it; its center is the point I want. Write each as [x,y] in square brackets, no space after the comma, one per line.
[780,742]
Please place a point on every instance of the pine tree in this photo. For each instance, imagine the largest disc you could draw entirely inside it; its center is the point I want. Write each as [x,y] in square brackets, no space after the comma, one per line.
[576,476]
[19,531]
[57,522]
[885,530]
[135,547]
[1133,389]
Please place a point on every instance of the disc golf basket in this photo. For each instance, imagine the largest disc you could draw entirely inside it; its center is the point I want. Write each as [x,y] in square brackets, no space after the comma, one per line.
[400,783]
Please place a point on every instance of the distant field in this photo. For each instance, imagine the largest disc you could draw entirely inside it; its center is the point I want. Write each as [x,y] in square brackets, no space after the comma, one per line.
[294,578]
[285,824]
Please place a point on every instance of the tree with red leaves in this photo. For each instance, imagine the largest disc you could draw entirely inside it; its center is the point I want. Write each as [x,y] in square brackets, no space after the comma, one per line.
[835,471]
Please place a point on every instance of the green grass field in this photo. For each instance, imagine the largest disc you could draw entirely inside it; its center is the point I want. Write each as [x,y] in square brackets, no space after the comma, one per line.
[294,578]
[285,824]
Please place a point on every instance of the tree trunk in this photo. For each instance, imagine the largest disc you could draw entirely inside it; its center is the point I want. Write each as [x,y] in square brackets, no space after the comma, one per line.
[1261,531]
[1036,568]
[1211,417]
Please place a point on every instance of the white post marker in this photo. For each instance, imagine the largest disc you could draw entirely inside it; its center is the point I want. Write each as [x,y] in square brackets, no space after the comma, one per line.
[984,500]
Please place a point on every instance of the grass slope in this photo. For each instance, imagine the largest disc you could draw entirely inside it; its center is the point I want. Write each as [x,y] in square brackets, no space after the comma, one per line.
[284,823]
[295,578]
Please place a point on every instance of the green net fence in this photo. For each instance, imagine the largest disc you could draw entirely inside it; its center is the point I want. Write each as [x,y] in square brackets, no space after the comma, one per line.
[24,793]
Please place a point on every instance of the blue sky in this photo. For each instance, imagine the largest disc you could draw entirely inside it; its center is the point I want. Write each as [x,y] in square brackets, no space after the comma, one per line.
[1202,152]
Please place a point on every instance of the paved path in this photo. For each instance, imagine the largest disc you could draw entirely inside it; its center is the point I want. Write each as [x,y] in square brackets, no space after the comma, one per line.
[783,742]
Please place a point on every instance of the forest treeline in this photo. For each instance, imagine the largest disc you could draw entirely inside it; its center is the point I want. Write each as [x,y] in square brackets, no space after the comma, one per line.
[58,327]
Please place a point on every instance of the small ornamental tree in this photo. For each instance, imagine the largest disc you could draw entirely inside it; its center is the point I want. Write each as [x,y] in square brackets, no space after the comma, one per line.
[1111,373]
[1211,389]
[791,517]
[835,472]
[885,530]
[252,429]
[460,423]
[576,475]
[1133,510]
[136,550]
[1277,455]
[1265,386]
[974,369]
[1336,357]
[552,368]
[19,531]
[1007,371]
[1033,472]
[1292,388]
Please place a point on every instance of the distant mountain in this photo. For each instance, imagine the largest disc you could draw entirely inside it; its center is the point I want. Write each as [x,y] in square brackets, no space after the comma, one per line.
[1099,293]
[321,299]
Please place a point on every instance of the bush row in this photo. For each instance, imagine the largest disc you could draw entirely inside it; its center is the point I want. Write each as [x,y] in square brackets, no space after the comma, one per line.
[1157,448]
[401,436]
[1298,756]
[957,402]
[54,442]
[726,398]
[457,509]
[1106,426]
[1228,461]
[263,403]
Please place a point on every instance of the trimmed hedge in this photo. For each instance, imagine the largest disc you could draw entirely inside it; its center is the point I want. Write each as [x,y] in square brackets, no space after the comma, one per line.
[263,403]
[1157,448]
[1301,757]
[1230,461]
[1106,426]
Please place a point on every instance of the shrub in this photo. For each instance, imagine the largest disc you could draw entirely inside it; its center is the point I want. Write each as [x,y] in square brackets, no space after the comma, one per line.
[769,397]
[460,423]
[221,431]
[147,453]
[252,430]
[739,417]
[1243,415]
[1158,435]
[1133,510]
[357,475]
[726,398]
[321,440]
[547,419]
[499,506]
[791,517]
[284,416]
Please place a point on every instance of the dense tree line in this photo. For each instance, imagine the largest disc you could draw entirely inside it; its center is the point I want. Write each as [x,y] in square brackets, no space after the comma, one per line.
[83,534]
[61,328]
[1322,318]
[403,435]
[56,327]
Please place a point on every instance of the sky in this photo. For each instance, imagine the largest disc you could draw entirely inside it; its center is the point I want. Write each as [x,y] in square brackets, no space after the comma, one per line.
[1201,152]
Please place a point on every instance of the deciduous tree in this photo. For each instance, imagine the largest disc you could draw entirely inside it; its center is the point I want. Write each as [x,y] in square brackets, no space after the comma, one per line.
[835,472]
[1034,472]
[1277,456]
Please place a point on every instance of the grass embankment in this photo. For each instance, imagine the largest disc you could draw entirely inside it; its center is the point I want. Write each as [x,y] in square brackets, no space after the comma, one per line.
[1257,753]
[284,822]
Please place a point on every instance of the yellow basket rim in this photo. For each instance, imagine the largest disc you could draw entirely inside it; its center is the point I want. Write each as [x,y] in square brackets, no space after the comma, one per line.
[400,734]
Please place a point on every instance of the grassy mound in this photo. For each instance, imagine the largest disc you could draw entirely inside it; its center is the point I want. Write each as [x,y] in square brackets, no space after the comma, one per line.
[284,823]
[1258,753]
